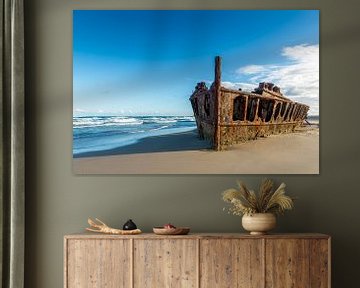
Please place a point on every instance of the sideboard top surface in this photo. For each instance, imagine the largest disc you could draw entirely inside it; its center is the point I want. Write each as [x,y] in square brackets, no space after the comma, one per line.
[87,235]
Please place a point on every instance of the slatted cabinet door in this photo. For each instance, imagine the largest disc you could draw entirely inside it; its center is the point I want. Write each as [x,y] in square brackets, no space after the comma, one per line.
[98,263]
[287,263]
[231,263]
[165,263]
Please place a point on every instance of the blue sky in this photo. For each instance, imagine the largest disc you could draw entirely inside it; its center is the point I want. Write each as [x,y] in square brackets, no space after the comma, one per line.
[148,62]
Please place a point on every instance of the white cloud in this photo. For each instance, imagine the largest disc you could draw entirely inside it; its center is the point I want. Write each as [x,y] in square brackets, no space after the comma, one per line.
[79,110]
[298,80]
[238,85]
[302,53]
[251,69]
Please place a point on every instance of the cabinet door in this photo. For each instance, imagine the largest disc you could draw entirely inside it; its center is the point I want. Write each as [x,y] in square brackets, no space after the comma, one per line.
[165,263]
[231,263]
[320,263]
[98,263]
[287,263]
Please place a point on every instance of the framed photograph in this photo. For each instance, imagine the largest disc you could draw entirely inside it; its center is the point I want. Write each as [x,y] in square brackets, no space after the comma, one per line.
[196,92]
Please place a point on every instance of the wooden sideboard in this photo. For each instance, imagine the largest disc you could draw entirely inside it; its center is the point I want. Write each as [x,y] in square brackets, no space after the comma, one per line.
[197,260]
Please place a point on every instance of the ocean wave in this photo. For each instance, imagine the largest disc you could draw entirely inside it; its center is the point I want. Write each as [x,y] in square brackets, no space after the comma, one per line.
[159,128]
[185,119]
[168,119]
[87,122]
[123,123]
[98,121]
[124,120]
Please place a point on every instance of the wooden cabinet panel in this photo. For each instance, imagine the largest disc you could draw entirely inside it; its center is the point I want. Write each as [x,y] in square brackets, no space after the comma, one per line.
[98,264]
[165,263]
[319,263]
[287,263]
[231,263]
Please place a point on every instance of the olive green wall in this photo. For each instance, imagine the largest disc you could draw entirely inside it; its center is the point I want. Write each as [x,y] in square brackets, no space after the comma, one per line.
[59,202]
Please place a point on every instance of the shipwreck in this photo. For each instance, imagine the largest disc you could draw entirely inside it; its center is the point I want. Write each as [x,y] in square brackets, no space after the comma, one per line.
[228,116]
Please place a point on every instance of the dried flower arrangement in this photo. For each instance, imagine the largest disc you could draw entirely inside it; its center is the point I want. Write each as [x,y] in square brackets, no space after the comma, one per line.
[101,227]
[246,202]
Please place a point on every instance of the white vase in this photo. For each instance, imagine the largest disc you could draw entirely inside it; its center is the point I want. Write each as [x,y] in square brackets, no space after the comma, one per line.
[259,223]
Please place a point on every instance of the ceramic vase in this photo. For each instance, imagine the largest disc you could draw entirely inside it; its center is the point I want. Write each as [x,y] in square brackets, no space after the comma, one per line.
[259,223]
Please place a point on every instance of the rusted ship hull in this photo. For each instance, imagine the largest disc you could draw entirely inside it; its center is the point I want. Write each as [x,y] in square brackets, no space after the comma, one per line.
[227,116]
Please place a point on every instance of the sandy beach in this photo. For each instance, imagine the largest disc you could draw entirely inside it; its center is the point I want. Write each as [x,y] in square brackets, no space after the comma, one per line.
[184,153]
